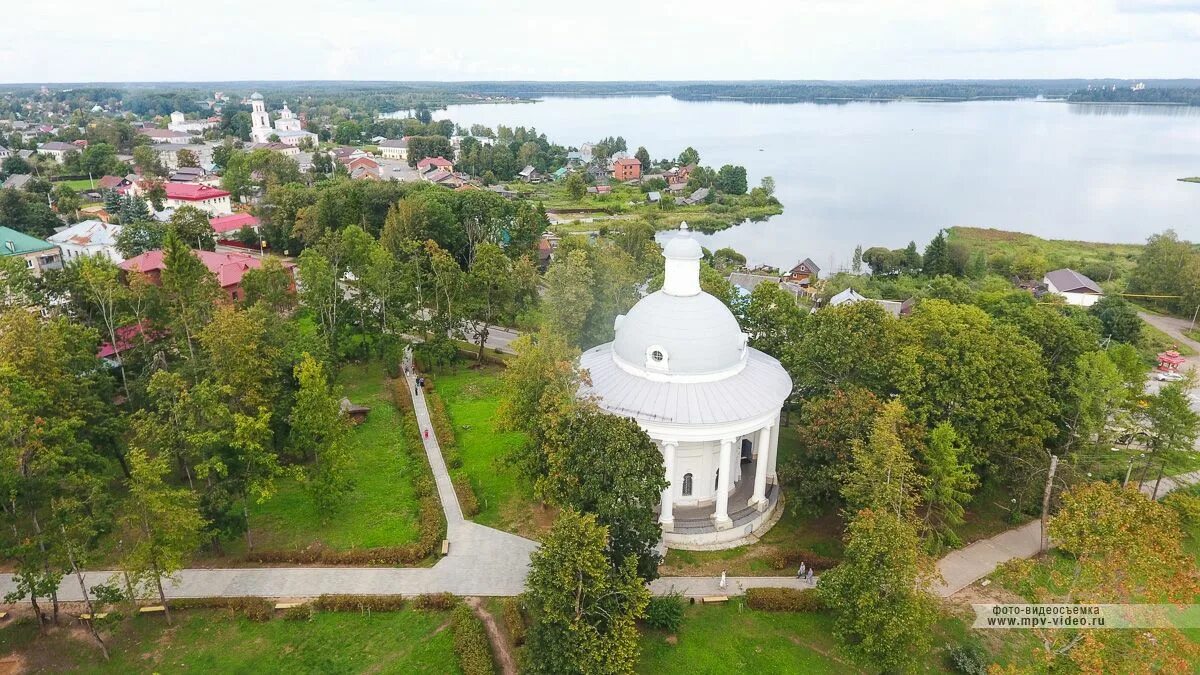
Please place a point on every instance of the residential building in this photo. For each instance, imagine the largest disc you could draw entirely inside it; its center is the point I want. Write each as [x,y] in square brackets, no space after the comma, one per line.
[5,153]
[88,238]
[112,183]
[56,150]
[696,197]
[166,136]
[39,255]
[228,268]
[394,149]
[1075,287]
[442,177]
[363,167]
[228,227]
[17,181]
[206,198]
[627,168]
[894,307]
[805,272]
[530,174]
[430,163]
[180,122]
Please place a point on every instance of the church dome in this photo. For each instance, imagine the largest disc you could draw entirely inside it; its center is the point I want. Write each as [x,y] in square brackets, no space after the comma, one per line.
[256,96]
[680,333]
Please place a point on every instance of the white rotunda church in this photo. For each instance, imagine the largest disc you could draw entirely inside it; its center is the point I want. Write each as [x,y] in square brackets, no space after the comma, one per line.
[287,127]
[681,367]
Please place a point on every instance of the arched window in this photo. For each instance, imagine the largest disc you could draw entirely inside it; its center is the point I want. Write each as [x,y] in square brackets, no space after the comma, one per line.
[717,480]
[687,485]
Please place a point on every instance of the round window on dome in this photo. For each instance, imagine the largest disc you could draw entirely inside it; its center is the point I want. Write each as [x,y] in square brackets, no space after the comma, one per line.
[656,358]
[656,355]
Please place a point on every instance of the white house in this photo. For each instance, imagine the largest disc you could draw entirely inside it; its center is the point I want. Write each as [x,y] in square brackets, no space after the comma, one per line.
[5,153]
[166,136]
[56,150]
[1076,288]
[394,149]
[682,368]
[204,197]
[180,123]
[168,153]
[89,237]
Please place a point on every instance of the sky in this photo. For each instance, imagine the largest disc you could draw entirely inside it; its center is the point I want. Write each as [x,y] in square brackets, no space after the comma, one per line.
[221,40]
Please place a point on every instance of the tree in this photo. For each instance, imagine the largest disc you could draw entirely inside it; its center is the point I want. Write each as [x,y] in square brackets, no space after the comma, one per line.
[270,285]
[731,179]
[773,320]
[187,158]
[856,344]
[319,435]
[537,389]
[827,428]
[883,475]
[937,257]
[1119,319]
[575,186]
[189,290]
[1173,427]
[1168,266]
[857,261]
[688,157]
[491,291]
[948,484]
[643,156]
[606,465]
[99,282]
[583,610]
[1095,404]
[883,613]
[146,159]
[192,226]
[139,237]
[164,523]
[66,200]
[568,297]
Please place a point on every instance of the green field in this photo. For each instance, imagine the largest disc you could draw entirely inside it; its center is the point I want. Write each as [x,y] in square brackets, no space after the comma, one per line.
[1190,179]
[381,510]
[78,185]
[215,641]
[471,396]
[1105,263]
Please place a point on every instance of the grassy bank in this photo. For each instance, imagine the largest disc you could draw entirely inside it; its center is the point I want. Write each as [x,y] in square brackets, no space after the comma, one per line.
[1106,263]
[216,641]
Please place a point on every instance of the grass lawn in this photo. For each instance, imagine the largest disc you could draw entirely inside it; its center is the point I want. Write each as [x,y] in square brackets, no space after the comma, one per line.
[1094,259]
[471,396]
[1154,341]
[215,641]
[78,185]
[381,510]
[732,639]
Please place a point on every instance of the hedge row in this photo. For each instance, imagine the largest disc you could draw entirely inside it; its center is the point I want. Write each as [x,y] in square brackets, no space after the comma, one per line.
[471,643]
[255,609]
[784,599]
[441,601]
[791,558]
[514,620]
[431,531]
[359,603]
[466,495]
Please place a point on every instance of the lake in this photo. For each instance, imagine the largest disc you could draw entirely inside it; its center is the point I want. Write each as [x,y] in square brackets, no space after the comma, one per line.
[887,173]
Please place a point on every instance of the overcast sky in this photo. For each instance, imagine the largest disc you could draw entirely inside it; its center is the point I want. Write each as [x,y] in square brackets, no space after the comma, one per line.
[149,40]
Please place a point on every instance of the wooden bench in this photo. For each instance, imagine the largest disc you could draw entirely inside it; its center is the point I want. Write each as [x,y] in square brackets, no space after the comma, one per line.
[152,609]
[714,598]
[97,616]
[288,605]
[445,547]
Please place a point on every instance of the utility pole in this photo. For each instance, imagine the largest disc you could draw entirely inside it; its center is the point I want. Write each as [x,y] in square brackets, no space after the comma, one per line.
[1193,325]
[1046,503]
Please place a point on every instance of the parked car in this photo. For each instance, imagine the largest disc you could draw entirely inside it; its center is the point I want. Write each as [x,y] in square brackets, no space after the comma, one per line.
[1168,377]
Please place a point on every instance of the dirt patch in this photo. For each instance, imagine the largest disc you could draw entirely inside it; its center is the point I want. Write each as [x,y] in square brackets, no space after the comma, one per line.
[13,664]
[672,640]
[500,646]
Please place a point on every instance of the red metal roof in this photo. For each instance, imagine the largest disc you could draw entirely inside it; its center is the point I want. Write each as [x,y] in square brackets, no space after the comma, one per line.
[232,223]
[434,161]
[193,192]
[229,268]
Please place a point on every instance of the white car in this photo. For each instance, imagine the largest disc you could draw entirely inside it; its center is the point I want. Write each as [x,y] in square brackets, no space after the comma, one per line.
[1168,377]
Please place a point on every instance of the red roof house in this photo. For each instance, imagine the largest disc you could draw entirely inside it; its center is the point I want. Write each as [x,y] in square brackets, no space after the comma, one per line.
[435,163]
[227,225]
[193,192]
[627,168]
[228,268]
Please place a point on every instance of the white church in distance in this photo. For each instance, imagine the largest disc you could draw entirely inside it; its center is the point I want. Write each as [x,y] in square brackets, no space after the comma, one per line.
[681,367]
[287,127]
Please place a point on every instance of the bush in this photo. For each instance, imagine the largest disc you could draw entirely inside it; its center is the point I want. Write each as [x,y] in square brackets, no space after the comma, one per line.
[255,609]
[466,495]
[359,603]
[439,601]
[969,658]
[303,612]
[665,612]
[784,600]
[471,643]
[514,620]
[790,559]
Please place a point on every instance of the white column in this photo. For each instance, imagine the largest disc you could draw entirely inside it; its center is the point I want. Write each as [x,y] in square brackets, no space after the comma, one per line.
[665,517]
[721,517]
[771,474]
[759,500]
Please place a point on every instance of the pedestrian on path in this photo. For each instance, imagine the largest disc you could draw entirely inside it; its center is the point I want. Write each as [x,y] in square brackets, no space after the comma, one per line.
[800,573]
[722,580]
[810,577]
[426,433]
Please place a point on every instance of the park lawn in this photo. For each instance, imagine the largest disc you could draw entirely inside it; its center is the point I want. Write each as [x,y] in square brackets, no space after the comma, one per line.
[217,641]
[382,508]
[730,638]
[471,396]
[79,185]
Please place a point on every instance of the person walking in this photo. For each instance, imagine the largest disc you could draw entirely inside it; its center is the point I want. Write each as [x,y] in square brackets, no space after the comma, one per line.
[810,577]
[800,574]
[426,433]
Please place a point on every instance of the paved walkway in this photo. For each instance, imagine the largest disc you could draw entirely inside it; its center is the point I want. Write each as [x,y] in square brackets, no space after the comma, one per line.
[967,565]
[702,587]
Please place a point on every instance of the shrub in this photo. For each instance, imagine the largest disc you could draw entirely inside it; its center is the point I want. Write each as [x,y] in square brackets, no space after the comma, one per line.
[359,603]
[665,612]
[303,612]
[969,658]
[790,559]
[471,643]
[466,495]
[441,601]
[514,620]
[255,609]
[784,600]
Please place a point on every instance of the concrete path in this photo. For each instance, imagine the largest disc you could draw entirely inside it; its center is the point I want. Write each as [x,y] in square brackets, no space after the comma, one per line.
[967,565]
[701,587]
[1171,326]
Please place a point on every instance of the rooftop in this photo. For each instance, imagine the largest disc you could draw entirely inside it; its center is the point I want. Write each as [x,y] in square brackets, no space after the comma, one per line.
[193,192]
[19,243]
[228,268]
